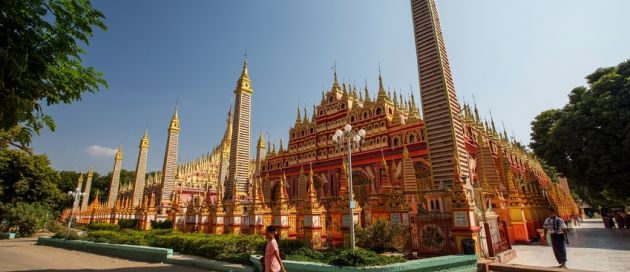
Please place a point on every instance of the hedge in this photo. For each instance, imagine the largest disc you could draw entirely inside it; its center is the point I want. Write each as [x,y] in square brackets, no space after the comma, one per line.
[236,248]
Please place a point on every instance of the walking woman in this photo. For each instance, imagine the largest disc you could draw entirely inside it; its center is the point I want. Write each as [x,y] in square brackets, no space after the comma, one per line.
[558,229]
[273,262]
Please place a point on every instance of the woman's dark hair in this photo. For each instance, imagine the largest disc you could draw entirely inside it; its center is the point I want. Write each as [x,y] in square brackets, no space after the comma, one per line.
[271,229]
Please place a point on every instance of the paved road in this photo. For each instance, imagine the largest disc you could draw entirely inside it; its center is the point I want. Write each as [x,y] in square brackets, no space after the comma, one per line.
[24,255]
[591,248]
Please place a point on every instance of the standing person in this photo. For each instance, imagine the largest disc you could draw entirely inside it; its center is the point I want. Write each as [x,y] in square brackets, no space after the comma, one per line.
[605,218]
[611,222]
[273,262]
[626,219]
[558,230]
[619,219]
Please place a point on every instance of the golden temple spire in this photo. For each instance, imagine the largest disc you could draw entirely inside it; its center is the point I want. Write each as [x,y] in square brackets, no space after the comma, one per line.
[80,181]
[245,72]
[305,120]
[174,126]
[119,153]
[298,119]
[244,83]
[382,95]
[314,115]
[477,118]
[367,94]
[311,194]
[335,86]
[261,140]
[386,185]
[144,142]
[283,188]
[494,128]
[414,112]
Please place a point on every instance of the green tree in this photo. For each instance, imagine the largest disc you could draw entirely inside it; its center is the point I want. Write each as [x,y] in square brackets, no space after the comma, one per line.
[28,178]
[588,140]
[40,63]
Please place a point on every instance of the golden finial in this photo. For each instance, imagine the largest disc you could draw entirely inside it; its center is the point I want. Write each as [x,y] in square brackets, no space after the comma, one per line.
[144,142]
[119,153]
[335,86]
[382,95]
[174,126]
[261,140]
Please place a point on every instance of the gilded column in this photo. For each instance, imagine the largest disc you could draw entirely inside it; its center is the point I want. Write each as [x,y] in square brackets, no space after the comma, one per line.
[238,170]
[437,91]
[141,169]
[88,186]
[75,205]
[170,161]
[444,125]
[113,185]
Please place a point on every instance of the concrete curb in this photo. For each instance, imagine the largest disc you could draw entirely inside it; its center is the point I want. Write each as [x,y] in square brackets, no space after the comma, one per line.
[143,253]
[204,263]
[7,235]
[452,263]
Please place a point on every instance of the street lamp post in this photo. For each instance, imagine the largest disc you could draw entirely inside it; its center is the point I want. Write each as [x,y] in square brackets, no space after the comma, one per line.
[74,194]
[349,136]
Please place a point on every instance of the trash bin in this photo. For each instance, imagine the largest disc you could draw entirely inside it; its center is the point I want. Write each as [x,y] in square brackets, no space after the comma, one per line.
[469,246]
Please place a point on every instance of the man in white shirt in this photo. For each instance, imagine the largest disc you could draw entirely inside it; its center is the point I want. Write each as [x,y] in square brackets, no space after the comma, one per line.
[558,230]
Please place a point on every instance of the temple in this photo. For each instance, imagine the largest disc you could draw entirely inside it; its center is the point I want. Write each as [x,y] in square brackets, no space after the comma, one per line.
[448,175]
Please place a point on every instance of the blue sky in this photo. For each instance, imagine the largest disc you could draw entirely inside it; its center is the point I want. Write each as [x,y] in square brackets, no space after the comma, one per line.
[516,57]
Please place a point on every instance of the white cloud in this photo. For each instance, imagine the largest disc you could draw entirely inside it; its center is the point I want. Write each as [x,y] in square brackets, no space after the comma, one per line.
[100,151]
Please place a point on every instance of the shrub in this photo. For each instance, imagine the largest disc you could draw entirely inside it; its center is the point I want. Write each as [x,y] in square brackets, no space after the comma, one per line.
[64,234]
[54,226]
[232,248]
[26,217]
[126,236]
[166,224]
[127,223]
[103,226]
[383,236]
[288,247]
[307,255]
[361,257]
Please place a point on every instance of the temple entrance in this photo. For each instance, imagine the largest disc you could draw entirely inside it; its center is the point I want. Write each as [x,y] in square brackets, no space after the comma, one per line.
[360,187]
[432,235]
